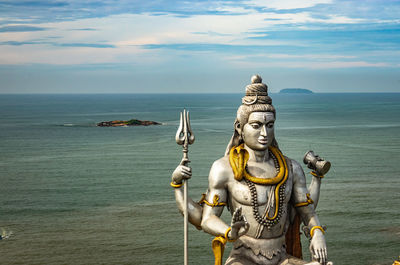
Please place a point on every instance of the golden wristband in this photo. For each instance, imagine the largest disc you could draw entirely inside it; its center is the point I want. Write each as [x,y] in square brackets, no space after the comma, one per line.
[226,235]
[316,175]
[176,185]
[316,227]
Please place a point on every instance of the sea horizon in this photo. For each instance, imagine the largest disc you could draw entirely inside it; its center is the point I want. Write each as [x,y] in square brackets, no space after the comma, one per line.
[191,93]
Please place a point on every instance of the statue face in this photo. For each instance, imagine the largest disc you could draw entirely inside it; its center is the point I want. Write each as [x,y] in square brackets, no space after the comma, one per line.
[258,132]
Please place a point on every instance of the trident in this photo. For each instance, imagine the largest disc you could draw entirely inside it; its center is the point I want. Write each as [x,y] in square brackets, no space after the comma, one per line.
[184,136]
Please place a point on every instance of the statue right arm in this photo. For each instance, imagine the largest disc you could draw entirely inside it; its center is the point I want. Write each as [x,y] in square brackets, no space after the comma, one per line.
[217,186]
[194,209]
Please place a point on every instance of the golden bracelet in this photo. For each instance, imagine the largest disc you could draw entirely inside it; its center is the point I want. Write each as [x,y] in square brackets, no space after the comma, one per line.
[316,227]
[176,185]
[316,175]
[226,235]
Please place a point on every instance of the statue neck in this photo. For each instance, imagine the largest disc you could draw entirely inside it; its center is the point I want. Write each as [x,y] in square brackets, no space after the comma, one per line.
[257,156]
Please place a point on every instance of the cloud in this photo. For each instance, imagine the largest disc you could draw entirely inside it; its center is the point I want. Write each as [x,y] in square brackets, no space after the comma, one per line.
[287,4]
[66,55]
[19,43]
[307,61]
[309,56]
[34,4]
[247,64]
[21,28]
[218,48]
[87,45]
[220,30]
[85,29]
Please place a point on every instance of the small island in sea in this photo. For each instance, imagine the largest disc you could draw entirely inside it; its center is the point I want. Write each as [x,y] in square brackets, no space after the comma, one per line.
[295,91]
[132,122]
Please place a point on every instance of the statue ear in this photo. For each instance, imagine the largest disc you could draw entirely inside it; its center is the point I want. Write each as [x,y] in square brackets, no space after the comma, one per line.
[238,128]
[236,138]
[238,133]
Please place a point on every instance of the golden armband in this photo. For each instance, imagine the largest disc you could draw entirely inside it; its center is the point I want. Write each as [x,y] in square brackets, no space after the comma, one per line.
[309,201]
[215,201]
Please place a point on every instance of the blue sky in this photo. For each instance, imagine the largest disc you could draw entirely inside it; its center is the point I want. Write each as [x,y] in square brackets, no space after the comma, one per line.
[109,46]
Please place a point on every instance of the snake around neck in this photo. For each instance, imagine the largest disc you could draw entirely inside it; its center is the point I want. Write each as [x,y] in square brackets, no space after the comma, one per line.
[238,158]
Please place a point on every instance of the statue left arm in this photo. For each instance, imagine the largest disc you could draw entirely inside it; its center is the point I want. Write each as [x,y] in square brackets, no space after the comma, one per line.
[307,212]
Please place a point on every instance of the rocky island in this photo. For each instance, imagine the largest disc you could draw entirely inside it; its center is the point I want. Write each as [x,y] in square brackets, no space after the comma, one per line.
[295,91]
[132,122]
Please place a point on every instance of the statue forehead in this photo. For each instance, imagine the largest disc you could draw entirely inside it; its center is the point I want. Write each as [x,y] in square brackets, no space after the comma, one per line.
[261,116]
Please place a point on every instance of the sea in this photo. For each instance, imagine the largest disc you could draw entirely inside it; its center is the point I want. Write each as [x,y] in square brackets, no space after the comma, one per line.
[75,193]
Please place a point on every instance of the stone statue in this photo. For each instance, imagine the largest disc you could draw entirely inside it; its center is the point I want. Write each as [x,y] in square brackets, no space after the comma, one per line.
[264,190]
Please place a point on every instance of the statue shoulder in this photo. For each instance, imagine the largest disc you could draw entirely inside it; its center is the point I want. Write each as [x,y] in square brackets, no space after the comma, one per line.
[296,169]
[220,173]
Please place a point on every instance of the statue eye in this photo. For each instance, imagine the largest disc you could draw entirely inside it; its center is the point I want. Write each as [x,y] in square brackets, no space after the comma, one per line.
[270,125]
[255,125]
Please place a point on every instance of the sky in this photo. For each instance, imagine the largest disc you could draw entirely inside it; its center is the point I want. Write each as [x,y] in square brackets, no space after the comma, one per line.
[200,46]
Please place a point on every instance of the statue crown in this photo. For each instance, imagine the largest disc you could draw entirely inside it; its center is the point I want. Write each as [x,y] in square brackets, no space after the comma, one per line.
[256,92]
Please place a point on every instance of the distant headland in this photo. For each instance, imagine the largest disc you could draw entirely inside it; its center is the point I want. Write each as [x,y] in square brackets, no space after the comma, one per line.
[295,91]
[132,122]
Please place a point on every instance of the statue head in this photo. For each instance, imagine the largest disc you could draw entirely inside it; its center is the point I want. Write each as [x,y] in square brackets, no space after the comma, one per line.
[258,102]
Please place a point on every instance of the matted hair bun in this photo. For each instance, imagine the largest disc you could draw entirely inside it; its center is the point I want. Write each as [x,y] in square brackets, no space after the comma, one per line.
[256,92]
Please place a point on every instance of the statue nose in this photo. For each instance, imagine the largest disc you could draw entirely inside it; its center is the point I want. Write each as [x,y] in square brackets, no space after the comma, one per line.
[264,130]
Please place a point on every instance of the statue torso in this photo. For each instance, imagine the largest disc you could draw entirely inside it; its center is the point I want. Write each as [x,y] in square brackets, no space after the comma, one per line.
[239,195]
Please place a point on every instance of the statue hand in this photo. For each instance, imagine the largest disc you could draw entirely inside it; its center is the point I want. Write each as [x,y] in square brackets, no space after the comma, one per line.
[318,247]
[181,172]
[239,225]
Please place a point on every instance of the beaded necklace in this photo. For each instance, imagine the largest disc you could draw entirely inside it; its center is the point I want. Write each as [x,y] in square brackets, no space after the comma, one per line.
[279,193]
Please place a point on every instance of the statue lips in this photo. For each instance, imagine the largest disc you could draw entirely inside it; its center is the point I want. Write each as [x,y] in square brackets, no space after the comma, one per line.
[262,140]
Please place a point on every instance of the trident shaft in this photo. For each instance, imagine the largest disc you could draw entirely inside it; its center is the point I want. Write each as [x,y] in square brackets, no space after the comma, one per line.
[185,137]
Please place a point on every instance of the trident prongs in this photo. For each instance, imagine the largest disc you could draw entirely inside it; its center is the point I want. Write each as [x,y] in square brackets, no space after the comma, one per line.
[184,134]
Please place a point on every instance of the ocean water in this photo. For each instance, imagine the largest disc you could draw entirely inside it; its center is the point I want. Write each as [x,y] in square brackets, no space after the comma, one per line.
[74,193]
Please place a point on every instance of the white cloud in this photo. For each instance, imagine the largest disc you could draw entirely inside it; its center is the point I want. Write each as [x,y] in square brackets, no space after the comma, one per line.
[308,56]
[248,64]
[287,4]
[129,31]
[345,64]
[335,19]
[47,54]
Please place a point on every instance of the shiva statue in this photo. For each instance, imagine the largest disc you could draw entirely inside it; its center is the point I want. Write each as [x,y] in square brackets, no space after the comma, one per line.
[264,190]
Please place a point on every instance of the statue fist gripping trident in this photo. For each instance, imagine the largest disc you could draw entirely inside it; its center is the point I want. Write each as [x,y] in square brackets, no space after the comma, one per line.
[264,190]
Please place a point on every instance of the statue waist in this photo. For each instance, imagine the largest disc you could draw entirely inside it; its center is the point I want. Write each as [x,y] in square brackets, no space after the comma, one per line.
[260,246]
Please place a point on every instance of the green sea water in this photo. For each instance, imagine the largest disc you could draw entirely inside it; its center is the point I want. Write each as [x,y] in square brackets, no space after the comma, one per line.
[74,193]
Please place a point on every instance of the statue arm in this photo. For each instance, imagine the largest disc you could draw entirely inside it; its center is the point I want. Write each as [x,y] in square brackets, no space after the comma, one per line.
[308,215]
[195,210]
[217,181]
[314,190]
[300,200]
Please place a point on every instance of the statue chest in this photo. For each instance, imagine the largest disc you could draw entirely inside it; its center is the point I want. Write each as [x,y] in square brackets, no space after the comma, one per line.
[239,192]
